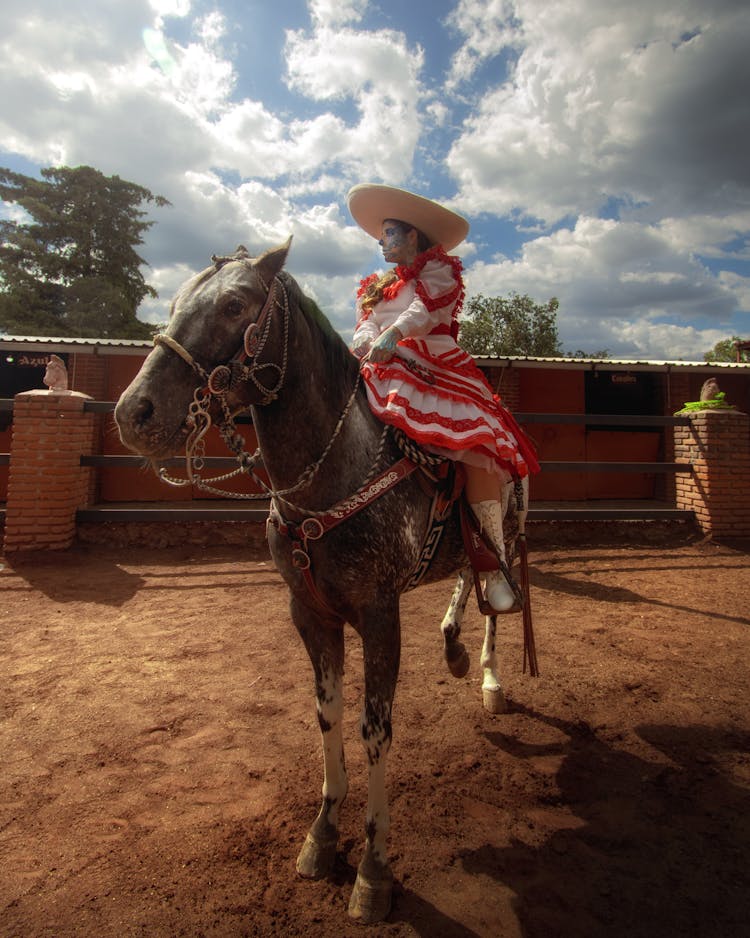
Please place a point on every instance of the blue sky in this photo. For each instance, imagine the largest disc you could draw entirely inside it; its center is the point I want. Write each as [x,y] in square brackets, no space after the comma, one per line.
[601,151]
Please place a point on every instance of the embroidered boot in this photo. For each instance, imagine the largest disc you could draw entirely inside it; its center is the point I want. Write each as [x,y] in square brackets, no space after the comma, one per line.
[497,590]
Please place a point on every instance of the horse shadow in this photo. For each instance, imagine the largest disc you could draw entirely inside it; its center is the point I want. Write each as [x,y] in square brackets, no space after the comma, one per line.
[558,583]
[656,847]
[73,576]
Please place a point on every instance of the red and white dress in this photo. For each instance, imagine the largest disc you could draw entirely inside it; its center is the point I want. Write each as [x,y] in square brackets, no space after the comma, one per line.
[432,389]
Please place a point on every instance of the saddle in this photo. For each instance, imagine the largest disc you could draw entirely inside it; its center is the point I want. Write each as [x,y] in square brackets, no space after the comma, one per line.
[442,480]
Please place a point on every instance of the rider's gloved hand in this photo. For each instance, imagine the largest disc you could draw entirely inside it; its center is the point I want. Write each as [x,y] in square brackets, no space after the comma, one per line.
[383,348]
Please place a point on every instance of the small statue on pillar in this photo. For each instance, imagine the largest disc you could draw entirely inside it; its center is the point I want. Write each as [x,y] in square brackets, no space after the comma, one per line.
[711,399]
[710,390]
[56,375]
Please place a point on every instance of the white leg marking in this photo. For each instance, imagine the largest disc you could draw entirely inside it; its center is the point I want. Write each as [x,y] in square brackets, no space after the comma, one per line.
[378,815]
[492,693]
[451,624]
[330,712]
[376,734]
[490,680]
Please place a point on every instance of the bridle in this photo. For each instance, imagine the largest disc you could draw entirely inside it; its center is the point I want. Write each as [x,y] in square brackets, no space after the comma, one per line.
[244,364]
[216,385]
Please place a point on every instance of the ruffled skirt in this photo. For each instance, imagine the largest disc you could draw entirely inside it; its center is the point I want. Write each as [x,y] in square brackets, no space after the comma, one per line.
[444,403]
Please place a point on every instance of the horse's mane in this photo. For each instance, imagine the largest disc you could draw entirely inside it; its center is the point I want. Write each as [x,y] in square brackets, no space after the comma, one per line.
[340,362]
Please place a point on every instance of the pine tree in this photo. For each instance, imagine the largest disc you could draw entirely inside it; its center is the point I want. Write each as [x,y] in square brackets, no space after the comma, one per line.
[70,266]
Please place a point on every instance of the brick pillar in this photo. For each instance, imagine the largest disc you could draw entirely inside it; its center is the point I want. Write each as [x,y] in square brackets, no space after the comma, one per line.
[717,445]
[46,483]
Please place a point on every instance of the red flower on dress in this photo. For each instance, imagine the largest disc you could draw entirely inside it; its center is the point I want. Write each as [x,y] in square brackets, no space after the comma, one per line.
[365,283]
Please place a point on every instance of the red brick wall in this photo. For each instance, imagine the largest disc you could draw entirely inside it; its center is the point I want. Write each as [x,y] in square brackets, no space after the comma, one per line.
[717,445]
[46,483]
[88,374]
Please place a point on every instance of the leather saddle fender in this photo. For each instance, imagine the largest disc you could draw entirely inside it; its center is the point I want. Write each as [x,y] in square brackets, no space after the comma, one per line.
[482,555]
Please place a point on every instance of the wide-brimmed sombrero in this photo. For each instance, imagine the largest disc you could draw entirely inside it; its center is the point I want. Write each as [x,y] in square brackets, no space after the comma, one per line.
[370,205]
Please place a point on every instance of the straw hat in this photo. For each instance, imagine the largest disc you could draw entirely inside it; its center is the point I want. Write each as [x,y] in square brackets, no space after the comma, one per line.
[371,204]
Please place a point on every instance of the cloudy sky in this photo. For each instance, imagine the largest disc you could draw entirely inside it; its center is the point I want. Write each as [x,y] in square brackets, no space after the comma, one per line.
[600,150]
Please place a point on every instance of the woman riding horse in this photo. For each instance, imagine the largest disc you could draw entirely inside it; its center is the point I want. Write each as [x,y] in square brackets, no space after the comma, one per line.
[417,377]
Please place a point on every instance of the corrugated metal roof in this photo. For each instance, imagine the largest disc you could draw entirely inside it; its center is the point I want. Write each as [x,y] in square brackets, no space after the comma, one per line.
[52,343]
[600,364]
[608,364]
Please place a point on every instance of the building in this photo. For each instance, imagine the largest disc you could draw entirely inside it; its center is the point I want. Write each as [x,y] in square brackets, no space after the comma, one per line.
[568,391]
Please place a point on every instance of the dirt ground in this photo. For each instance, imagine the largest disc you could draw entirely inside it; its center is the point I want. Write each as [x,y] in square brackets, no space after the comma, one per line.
[161,757]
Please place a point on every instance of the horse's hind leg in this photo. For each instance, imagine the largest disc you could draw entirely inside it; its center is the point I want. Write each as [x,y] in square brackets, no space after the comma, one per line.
[371,897]
[492,693]
[455,652]
[325,646]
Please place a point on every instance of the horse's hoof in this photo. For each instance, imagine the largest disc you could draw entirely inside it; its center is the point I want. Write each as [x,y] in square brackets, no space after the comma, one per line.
[494,700]
[457,659]
[315,860]
[371,899]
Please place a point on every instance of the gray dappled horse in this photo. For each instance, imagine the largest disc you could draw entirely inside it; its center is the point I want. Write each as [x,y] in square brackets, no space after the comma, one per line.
[243,336]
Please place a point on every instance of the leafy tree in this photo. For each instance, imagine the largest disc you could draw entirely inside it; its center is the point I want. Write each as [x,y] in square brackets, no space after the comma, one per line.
[496,326]
[724,351]
[71,268]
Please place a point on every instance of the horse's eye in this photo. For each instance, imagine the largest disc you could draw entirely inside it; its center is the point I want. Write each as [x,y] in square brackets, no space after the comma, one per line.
[234,308]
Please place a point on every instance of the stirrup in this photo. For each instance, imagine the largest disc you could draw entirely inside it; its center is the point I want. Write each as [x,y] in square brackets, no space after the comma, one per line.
[484,606]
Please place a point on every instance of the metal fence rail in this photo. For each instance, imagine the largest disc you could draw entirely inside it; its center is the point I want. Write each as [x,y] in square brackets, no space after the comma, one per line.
[242,513]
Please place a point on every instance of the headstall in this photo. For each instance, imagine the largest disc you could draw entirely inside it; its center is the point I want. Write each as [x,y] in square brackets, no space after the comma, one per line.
[216,384]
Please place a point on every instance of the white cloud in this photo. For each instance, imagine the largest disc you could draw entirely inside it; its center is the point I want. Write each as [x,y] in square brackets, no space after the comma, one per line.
[328,13]
[216,217]
[708,234]
[640,116]
[616,282]
[380,73]
[666,341]
[170,7]
[602,105]
[589,109]
[488,27]
[129,97]
[740,287]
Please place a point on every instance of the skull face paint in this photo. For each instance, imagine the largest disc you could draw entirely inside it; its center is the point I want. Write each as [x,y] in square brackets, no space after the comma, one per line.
[395,242]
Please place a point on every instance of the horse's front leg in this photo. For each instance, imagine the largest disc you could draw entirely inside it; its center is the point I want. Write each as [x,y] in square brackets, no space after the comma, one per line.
[325,646]
[381,644]
[455,652]
[492,693]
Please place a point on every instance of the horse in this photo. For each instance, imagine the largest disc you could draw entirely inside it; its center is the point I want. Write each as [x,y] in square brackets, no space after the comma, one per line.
[243,336]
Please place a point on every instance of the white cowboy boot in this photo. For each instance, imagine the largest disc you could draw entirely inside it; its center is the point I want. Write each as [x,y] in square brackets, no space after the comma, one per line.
[497,590]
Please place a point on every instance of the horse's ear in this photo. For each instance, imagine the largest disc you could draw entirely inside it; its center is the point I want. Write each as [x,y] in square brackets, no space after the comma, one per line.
[271,262]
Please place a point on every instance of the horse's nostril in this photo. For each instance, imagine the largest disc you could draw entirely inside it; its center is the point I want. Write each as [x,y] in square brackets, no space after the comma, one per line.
[143,411]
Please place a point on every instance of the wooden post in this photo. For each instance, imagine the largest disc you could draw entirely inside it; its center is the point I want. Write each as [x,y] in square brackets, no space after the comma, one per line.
[46,483]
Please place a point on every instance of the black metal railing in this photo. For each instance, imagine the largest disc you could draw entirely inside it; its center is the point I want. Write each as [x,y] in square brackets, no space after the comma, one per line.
[163,511]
